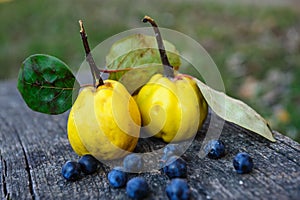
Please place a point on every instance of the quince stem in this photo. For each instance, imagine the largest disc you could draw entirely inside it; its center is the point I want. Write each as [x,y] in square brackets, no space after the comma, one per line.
[168,68]
[97,80]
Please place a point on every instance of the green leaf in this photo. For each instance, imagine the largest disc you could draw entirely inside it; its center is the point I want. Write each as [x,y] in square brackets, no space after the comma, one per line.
[235,111]
[46,84]
[138,50]
[134,79]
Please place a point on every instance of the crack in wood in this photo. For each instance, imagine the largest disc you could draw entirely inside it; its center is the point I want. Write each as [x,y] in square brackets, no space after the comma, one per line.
[6,194]
[27,168]
[4,175]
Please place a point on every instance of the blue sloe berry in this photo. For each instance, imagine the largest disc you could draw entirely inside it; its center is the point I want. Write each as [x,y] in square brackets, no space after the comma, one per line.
[243,163]
[133,163]
[71,170]
[137,188]
[178,189]
[89,164]
[117,177]
[176,167]
[215,149]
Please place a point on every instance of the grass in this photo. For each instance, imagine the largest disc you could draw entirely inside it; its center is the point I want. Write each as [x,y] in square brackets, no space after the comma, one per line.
[249,43]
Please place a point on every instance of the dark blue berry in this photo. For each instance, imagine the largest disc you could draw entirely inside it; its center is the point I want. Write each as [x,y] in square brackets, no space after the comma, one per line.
[176,167]
[168,151]
[165,157]
[243,163]
[71,170]
[89,164]
[215,149]
[137,188]
[178,189]
[133,163]
[117,177]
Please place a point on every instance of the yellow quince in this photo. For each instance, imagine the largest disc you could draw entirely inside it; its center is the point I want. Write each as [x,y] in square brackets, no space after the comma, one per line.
[171,105]
[104,122]
[171,108]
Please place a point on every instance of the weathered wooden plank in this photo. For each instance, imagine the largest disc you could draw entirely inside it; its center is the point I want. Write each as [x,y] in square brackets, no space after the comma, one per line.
[14,168]
[34,146]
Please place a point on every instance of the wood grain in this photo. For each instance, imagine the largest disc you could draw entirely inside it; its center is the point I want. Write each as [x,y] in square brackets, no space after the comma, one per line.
[34,146]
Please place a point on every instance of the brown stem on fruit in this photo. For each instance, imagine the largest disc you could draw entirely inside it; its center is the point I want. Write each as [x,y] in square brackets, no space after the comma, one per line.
[168,68]
[97,80]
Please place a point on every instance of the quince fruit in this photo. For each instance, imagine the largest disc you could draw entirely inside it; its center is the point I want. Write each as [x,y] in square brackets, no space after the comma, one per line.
[104,122]
[171,105]
[171,108]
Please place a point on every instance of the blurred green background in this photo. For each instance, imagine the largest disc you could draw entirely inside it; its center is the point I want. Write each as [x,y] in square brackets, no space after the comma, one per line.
[255,44]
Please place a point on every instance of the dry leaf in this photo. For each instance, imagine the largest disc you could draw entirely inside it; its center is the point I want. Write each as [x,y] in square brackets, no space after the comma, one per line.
[235,111]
